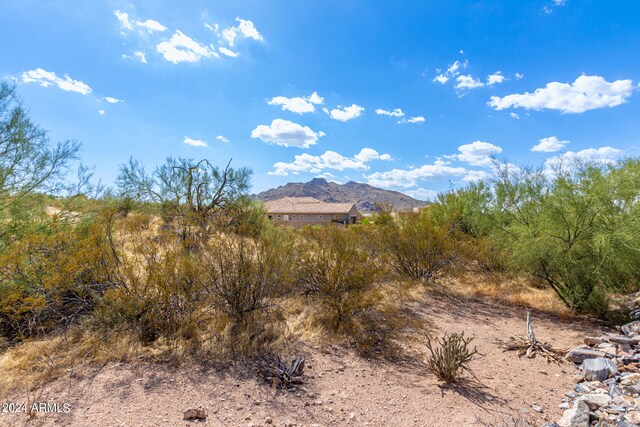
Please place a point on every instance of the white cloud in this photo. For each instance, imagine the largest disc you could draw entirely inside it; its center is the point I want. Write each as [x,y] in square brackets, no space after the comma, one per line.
[248,29]
[123,17]
[101,112]
[475,175]
[397,112]
[495,78]
[111,100]
[128,24]
[416,119]
[441,78]
[150,25]
[298,105]
[329,160]
[519,76]
[344,113]
[549,145]
[602,155]
[467,82]
[181,48]
[407,178]
[140,56]
[223,139]
[228,52]
[559,2]
[421,194]
[586,93]
[245,29]
[478,153]
[456,66]
[47,78]
[368,154]
[514,116]
[287,134]
[195,142]
[452,71]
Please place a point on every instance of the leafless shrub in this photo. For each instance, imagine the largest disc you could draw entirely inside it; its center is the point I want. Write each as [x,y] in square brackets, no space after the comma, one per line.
[451,357]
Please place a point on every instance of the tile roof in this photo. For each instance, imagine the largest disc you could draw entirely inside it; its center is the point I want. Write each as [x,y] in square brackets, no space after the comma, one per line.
[307,205]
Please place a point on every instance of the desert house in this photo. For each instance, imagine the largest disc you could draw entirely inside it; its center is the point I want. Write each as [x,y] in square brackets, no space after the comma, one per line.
[299,211]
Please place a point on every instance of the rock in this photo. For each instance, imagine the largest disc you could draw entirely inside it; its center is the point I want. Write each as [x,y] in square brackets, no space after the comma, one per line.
[598,369]
[595,400]
[626,424]
[615,391]
[632,389]
[551,424]
[268,420]
[594,340]
[537,408]
[581,388]
[194,415]
[631,376]
[616,409]
[632,328]
[632,417]
[578,416]
[610,349]
[580,354]
[621,339]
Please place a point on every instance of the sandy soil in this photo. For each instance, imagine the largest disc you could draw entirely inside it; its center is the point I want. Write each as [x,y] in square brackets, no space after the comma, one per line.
[341,388]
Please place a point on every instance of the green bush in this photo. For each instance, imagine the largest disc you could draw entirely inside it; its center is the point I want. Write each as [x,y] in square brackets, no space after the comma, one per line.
[416,248]
[336,267]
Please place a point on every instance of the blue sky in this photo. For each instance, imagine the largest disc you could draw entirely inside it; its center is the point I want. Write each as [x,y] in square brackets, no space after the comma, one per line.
[414,95]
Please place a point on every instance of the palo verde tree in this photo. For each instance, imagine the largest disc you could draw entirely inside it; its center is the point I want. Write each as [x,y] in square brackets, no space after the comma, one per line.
[576,228]
[192,193]
[30,165]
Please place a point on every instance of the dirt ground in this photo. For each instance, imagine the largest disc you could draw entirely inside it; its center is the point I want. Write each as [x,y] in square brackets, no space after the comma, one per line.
[341,388]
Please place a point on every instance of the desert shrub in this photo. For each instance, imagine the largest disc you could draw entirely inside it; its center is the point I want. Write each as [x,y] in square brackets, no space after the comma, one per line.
[416,248]
[450,357]
[464,214]
[575,229]
[49,280]
[243,275]
[224,295]
[196,196]
[338,270]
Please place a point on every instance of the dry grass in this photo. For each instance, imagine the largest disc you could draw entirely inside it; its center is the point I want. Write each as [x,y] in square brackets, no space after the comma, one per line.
[32,364]
[502,287]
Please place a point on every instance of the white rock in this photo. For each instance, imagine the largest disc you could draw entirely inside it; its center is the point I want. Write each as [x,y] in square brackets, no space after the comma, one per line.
[594,400]
[598,369]
[578,416]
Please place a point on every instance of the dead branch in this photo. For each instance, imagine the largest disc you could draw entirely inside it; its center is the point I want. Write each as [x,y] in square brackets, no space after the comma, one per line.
[531,347]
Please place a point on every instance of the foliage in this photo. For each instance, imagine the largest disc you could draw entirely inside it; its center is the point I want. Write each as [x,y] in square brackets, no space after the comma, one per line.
[192,194]
[242,275]
[30,165]
[337,268]
[450,357]
[49,280]
[416,247]
[577,230]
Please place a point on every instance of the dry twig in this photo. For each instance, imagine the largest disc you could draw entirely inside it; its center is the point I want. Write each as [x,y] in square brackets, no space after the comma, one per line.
[530,346]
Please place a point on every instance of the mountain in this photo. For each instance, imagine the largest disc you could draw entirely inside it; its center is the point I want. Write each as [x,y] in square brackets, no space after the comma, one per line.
[364,195]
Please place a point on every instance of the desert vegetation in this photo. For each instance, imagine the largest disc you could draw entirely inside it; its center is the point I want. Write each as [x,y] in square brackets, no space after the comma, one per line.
[180,262]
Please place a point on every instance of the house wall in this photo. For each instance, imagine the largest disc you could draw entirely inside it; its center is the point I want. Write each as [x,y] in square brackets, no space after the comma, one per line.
[299,220]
